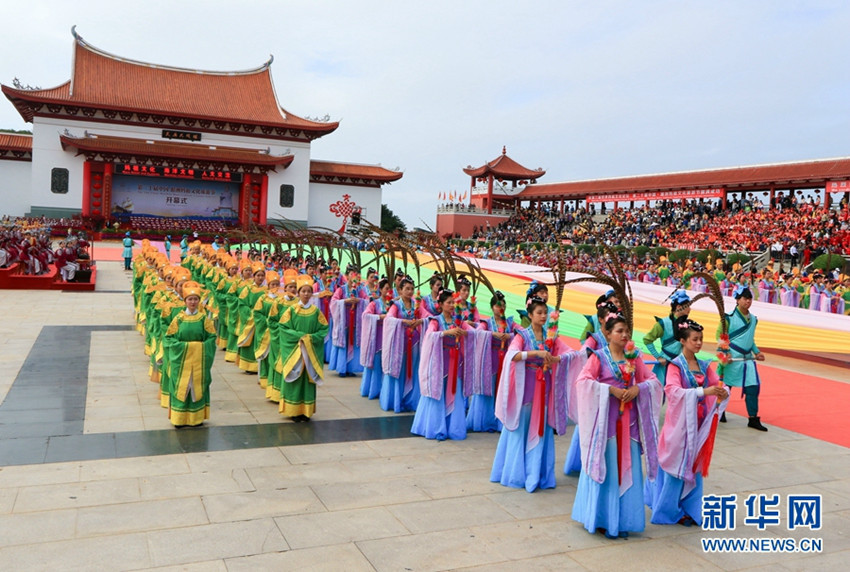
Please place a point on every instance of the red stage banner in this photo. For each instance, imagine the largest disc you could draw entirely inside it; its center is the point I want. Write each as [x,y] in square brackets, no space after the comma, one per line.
[838,187]
[657,195]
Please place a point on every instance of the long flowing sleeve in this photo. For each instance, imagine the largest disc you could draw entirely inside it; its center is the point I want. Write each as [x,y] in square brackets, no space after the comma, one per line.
[431,365]
[649,411]
[511,390]
[593,399]
[392,355]
[370,342]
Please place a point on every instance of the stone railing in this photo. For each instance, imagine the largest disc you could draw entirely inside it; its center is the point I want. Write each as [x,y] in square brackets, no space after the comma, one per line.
[469,209]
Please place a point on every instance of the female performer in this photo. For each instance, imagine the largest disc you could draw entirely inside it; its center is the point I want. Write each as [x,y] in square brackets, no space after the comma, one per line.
[618,407]
[347,305]
[429,305]
[695,398]
[400,360]
[531,402]
[482,405]
[371,338]
[441,413]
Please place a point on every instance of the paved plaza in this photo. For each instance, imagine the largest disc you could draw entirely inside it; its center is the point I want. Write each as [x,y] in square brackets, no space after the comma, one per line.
[93,476]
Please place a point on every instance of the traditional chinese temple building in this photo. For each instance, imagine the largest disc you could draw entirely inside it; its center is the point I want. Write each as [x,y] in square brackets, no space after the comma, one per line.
[124,138]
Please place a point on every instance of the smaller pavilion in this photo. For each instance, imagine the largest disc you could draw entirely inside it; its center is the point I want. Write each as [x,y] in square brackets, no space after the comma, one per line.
[491,197]
[502,169]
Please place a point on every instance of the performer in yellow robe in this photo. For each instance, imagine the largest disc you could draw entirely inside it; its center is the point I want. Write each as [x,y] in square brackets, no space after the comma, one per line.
[302,334]
[189,352]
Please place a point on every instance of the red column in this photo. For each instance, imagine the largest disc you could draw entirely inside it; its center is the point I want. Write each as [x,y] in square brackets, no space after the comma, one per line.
[490,194]
[244,200]
[107,189]
[86,206]
[723,199]
[825,199]
[772,196]
[264,199]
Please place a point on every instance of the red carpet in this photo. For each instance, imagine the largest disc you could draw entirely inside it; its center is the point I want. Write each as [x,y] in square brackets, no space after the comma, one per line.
[810,405]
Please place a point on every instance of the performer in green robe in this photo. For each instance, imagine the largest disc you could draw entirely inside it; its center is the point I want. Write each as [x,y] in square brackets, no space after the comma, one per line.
[248,297]
[262,334]
[189,352]
[302,354]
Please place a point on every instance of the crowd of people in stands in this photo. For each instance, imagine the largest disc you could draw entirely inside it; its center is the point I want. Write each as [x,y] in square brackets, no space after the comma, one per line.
[28,242]
[694,225]
[793,233]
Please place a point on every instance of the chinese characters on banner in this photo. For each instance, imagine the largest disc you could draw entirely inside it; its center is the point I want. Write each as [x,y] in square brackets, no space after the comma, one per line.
[657,195]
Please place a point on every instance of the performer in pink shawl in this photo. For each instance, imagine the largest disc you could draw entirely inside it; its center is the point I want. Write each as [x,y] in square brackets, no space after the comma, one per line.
[695,400]
[831,301]
[447,372]
[428,305]
[371,340]
[596,340]
[481,415]
[767,288]
[347,305]
[531,402]
[619,400]
[400,359]
[788,294]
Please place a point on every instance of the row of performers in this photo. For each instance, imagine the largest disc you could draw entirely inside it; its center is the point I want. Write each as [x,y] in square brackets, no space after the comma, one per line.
[185,314]
[818,292]
[533,383]
[537,385]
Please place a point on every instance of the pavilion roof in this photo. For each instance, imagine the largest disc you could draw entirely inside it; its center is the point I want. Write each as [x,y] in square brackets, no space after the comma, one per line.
[801,173]
[100,80]
[141,150]
[503,167]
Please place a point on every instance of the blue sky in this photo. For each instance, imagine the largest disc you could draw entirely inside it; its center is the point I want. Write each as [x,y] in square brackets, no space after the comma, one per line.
[582,89]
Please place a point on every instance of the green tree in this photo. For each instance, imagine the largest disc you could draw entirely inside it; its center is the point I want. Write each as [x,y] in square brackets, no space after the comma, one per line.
[390,221]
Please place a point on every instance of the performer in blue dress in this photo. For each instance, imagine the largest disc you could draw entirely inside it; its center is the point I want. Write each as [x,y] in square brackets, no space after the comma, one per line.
[401,352]
[531,404]
[446,372]
[371,341]
[619,400]
[695,398]
[481,415]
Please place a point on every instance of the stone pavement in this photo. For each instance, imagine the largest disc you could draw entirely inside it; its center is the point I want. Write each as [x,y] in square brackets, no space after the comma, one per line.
[92,476]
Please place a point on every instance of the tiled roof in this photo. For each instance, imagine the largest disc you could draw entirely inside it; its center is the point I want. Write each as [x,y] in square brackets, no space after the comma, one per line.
[104,81]
[142,149]
[353,170]
[503,167]
[751,176]
[15,142]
